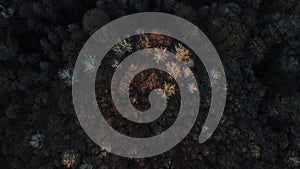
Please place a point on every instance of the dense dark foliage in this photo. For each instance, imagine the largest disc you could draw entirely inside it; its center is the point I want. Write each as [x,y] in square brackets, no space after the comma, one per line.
[257,40]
